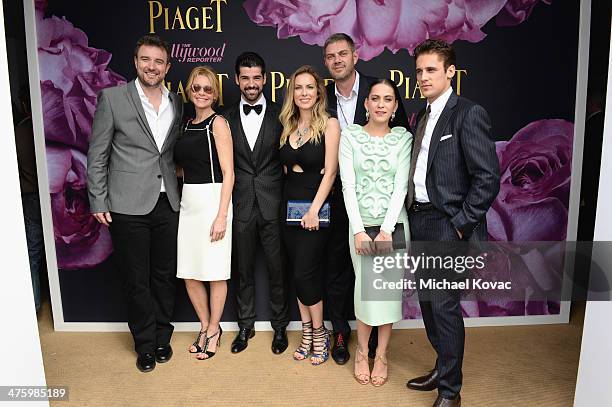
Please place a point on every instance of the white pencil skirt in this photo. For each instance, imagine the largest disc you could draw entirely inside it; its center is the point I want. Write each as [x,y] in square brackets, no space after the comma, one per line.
[197,257]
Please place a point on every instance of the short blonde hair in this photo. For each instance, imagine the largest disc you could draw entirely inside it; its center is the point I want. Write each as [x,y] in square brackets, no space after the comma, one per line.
[208,72]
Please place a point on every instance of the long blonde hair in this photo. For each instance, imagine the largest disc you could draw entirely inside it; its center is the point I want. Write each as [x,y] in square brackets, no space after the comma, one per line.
[290,114]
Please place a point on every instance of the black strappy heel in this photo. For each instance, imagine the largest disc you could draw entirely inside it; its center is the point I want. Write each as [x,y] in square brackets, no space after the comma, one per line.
[205,351]
[196,344]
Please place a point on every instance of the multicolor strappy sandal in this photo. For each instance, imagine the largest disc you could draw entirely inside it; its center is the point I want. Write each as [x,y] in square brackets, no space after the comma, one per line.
[306,345]
[320,346]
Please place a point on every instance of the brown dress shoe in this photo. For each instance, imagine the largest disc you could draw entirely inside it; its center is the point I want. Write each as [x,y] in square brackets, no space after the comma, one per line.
[442,402]
[428,382]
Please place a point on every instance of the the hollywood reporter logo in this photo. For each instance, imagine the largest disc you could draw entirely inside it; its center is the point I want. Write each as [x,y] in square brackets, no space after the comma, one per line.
[185,52]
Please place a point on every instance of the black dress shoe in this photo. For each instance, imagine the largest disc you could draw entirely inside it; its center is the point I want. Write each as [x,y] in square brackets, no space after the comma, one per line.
[241,341]
[145,362]
[163,353]
[280,341]
[442,402]
[428,382]
[340,352]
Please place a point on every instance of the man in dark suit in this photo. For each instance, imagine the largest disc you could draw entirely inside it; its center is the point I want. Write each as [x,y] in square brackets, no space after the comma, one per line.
[454,178]
[257,197]
[345,101]
[133,190]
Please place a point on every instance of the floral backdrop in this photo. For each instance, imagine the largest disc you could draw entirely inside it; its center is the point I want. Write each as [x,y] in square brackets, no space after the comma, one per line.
[71,75]
[393,24]
[535,162]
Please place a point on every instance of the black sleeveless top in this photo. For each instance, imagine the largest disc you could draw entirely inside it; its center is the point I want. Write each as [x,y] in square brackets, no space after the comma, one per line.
[191,153]
[311,158]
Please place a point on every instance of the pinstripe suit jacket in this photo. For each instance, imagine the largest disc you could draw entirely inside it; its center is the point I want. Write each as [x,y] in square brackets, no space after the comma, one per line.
[258,173]
[462,178]
[124,165]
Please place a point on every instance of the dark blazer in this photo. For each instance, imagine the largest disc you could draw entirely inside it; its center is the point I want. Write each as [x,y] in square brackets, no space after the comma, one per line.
[125,167]
[258,173]
[401,119]
[463,170]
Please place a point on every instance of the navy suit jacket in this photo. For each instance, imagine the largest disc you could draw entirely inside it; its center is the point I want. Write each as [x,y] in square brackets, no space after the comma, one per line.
[463,170]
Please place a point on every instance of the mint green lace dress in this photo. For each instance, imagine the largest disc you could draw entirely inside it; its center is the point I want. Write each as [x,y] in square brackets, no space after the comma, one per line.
[374,173]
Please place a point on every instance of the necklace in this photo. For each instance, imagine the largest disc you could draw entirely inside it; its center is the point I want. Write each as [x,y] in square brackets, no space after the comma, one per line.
[342,113]
[300,135]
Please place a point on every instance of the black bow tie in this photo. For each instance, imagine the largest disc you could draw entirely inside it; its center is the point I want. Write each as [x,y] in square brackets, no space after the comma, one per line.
[247,108]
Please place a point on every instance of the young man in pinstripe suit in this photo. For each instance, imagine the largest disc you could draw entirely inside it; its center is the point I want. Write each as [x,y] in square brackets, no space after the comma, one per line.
[454,178]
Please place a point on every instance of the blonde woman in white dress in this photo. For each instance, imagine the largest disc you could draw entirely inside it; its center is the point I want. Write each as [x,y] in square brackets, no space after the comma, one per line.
[205,159]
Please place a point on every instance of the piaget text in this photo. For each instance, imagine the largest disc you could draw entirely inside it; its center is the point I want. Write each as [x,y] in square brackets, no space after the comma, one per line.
[179,89]
[278,81]
[185,18]
[408,87]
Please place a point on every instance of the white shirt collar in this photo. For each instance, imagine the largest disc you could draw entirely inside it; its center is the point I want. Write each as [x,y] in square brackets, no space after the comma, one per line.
[354,91]
[142,94]
[260,101]
[438,105]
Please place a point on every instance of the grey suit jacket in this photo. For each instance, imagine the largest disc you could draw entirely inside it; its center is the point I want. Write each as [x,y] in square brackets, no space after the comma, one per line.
[124,165]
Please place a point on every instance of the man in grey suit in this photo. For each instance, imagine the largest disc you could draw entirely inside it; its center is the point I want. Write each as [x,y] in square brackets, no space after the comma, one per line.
[454,179]
[133,190]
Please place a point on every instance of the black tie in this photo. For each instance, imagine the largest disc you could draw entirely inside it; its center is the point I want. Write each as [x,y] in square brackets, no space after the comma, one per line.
[418,140]
[247,108]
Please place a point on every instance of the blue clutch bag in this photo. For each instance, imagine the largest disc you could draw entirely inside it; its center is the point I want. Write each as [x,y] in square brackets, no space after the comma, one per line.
[297,209]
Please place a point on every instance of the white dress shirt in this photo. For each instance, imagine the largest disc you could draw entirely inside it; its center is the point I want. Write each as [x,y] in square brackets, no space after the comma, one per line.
[251,123]
[346,106]
[420,172]
[159,122]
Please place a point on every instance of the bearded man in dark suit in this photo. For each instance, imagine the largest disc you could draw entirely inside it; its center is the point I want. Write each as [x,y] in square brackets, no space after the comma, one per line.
[256,196]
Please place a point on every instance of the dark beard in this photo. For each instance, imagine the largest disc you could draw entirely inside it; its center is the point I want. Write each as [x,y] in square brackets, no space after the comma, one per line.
[144,83]
[244,95]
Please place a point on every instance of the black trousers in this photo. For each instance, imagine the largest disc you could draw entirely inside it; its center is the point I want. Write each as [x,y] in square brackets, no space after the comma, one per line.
[441,309]
[245,238]
[145,254]
[339,276]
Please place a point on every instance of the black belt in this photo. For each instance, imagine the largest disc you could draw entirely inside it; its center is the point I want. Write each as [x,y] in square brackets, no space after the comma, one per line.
[421,206]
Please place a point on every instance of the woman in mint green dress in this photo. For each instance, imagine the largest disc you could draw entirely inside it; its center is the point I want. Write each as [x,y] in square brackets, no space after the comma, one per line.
[374,165]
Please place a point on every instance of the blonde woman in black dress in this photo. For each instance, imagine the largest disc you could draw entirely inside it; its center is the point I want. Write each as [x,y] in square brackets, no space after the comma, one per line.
[204,247]
[309,154]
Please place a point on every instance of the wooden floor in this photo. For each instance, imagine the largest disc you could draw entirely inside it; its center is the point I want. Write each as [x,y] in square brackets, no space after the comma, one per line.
[504,366]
